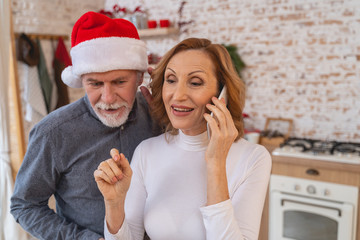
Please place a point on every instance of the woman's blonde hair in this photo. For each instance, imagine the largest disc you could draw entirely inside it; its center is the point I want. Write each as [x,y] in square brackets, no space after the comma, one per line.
[225,74]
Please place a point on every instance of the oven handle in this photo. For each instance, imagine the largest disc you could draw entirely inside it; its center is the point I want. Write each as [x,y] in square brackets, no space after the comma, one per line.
[311,204]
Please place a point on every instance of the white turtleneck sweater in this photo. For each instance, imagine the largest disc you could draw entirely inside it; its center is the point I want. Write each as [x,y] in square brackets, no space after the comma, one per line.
[167,195]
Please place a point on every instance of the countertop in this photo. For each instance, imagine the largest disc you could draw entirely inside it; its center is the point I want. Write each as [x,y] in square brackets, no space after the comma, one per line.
[317,163]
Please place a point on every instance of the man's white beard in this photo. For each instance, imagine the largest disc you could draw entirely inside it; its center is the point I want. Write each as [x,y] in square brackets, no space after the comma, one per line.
[112,120]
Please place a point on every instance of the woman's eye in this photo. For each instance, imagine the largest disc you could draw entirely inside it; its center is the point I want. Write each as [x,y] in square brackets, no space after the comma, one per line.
[170,81]
[196,84]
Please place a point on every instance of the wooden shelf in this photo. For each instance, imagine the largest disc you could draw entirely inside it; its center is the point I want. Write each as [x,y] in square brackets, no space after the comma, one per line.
[153,32]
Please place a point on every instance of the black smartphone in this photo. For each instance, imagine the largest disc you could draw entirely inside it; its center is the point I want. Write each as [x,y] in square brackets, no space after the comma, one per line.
[222,94]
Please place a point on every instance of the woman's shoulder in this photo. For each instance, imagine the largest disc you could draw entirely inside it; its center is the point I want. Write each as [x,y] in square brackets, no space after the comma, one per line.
[242,150]
[245,145]
[149,151]
[153,143]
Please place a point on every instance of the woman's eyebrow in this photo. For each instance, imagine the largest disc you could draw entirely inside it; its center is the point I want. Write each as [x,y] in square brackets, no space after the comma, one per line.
[196,71]
[170,69]
[193,72]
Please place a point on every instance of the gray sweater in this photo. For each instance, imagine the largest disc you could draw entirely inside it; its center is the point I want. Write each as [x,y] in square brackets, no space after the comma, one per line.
[64,150]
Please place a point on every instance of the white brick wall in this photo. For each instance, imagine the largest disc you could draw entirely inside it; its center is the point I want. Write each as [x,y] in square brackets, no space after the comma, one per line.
[303,56]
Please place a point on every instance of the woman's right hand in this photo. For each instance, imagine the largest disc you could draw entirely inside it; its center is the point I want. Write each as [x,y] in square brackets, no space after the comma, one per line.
[113,177]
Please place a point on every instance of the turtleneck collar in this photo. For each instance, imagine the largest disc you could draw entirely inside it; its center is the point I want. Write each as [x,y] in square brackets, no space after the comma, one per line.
[192,143]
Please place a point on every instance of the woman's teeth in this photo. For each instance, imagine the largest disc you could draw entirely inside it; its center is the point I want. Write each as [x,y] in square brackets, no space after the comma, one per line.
[182,109]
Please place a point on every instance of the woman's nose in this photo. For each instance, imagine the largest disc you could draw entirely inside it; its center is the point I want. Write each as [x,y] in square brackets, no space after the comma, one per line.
[180,92]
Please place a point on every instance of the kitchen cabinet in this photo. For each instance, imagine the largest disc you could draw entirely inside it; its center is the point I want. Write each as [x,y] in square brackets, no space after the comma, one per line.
[341,173]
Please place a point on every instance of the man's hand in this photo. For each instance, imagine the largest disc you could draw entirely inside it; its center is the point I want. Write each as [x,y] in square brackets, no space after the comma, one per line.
[145,91]
[147,95]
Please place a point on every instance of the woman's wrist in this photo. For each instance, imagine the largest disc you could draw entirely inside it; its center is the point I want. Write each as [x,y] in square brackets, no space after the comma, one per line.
[114,215]
[217,187]
[114,203]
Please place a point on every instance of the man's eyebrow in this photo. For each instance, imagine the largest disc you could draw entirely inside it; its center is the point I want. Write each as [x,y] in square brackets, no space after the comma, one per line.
[120,78]
[92,80]
[113,80]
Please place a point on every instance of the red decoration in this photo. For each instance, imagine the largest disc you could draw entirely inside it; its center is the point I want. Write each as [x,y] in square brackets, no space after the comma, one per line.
[164,23]
[106,13]
[152,24]
[138,9]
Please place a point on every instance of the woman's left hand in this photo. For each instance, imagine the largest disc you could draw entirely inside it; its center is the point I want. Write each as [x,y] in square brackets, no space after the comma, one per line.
[223,133]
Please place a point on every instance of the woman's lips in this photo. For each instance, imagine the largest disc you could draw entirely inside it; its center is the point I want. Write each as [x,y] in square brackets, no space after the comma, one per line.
[181,110]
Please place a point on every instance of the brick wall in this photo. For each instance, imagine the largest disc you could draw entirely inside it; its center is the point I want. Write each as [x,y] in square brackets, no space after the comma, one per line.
[303,57]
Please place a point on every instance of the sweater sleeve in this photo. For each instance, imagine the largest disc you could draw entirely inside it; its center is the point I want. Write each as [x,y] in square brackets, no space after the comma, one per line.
[35,183]
[240,216]
[220,222]
[123,233]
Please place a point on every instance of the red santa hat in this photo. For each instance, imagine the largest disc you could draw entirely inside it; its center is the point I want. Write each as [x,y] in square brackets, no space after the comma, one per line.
[101,44]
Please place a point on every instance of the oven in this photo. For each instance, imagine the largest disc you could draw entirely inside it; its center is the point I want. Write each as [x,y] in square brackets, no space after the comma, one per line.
[304,209]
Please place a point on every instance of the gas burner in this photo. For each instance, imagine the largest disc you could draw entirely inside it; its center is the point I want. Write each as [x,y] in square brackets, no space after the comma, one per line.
[344,152]
[322,147]
[346,149]
[297,144]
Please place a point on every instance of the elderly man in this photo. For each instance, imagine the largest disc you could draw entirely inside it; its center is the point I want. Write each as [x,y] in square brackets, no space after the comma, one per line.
[108,61]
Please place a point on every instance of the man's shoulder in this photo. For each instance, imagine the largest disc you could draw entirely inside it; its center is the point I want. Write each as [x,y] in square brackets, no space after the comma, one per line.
[63,115]
[141,101]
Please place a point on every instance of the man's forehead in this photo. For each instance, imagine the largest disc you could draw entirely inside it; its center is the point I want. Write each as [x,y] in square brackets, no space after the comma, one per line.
[109,76]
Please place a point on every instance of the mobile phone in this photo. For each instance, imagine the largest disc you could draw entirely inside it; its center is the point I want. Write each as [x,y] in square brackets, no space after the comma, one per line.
[222,94]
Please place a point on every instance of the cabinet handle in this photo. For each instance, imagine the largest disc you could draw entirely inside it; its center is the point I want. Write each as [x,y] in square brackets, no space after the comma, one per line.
[312,171]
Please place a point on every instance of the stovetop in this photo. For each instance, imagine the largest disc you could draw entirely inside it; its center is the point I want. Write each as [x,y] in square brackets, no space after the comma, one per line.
[344,152]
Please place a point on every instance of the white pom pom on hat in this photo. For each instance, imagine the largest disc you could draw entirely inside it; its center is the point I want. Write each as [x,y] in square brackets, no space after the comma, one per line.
[101,44]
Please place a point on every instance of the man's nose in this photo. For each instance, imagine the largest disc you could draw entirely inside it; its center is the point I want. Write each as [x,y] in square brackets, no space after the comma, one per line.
[108,94]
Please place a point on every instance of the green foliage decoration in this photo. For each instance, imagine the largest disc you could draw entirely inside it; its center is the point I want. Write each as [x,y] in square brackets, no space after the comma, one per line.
[235,57]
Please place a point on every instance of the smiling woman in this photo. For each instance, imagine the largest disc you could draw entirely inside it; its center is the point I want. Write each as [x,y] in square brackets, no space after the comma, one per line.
[191,185]
[223,71]
[189,84]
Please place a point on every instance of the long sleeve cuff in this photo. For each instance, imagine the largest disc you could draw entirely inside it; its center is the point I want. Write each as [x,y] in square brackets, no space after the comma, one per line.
[220,222]
[123,233]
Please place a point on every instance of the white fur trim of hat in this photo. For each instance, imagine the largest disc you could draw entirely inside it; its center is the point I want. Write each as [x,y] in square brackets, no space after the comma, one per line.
[112,44]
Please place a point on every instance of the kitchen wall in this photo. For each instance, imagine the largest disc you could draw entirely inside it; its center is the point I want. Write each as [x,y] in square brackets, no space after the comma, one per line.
[302,56]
